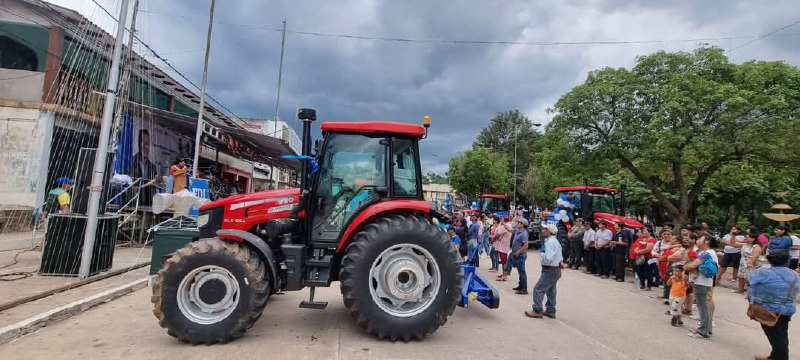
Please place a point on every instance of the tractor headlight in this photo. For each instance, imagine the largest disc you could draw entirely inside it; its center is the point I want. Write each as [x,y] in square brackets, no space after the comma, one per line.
[202,220]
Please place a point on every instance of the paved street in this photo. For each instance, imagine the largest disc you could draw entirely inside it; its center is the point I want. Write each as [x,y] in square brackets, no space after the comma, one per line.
[597,319]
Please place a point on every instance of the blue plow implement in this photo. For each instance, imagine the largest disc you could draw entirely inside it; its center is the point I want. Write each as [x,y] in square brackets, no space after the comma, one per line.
[476,287]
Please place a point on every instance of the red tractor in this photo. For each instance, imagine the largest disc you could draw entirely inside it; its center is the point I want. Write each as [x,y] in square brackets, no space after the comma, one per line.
[593,204]
[358,218]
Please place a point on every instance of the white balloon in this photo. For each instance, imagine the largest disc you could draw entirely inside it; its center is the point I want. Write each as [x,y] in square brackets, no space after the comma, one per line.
[563,213]
[557,216]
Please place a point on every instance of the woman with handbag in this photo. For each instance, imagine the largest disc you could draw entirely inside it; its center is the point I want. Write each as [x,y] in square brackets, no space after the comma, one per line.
[641,252]
[772,295]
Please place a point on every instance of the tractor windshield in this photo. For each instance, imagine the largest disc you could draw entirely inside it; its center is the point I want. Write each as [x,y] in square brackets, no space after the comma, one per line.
[492,205]
[602,202]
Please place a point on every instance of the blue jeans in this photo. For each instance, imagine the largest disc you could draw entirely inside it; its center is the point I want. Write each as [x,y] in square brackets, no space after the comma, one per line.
[643,273]
[706,318]
[518,262]
[472,244]
[494,255]
[546,286]
[485,245]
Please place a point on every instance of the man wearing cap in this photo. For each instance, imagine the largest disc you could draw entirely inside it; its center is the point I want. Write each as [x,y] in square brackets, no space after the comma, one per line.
[552,263]
[519,253]
[59,198]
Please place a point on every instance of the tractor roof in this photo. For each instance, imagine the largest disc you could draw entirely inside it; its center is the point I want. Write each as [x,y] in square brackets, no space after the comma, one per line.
[590,188]
[493,196]
[375,128]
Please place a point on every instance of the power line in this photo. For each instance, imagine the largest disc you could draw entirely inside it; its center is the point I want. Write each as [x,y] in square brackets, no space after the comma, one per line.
[481,42]
[773,32]
[525,43]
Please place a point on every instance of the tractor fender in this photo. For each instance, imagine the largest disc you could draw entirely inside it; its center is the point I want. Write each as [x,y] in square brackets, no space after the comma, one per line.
[258,244]
[376,210]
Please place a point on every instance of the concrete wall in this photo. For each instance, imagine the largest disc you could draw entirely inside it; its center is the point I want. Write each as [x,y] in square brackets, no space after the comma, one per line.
[24,147]
[21,85]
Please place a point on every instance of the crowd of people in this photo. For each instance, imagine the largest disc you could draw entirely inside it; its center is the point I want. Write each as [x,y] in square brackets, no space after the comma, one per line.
[688,264]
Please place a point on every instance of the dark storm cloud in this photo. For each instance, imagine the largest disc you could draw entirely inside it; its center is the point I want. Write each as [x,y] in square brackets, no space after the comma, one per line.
[460,85]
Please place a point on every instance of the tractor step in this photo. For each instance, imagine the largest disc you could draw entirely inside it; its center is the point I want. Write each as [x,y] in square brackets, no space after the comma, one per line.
[310,303]
[316,305]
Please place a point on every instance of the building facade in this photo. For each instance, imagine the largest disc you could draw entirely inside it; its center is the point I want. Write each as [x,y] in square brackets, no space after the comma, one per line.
[53,74]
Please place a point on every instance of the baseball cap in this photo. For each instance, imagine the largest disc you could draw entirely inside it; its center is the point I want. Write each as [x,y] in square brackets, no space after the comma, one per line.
[551,228]
[523,221]
[64,180]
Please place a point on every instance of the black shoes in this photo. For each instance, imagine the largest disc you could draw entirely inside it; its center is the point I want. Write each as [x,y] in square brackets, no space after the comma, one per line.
[550,315]
[521,292]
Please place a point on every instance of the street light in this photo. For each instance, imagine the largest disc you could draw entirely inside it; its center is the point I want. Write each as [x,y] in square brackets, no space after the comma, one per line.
[516,134]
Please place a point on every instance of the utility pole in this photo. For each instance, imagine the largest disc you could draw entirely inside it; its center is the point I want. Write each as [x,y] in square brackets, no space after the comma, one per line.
[278,100]
[124,85]
[516,135]
[101,156]
[199,132]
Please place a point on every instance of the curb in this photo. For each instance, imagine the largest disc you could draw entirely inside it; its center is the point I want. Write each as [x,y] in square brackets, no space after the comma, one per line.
[29,325]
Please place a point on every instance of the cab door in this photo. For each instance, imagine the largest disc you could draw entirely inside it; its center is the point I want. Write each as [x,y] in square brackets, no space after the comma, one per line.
[352,174]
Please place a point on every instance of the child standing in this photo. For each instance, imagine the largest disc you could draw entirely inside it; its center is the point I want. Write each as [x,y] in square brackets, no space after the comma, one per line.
[456,240]
[677,294]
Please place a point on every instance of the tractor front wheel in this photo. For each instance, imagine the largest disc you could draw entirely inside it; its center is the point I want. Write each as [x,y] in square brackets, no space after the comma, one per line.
[401,278]
[210,291]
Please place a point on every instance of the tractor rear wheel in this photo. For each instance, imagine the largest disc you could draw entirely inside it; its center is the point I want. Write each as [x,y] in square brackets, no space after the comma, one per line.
[210,291]
[401,278]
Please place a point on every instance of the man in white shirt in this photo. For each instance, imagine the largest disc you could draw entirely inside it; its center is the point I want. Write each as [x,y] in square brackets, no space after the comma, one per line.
[589,249]
[602,242]
[552,262]
[733,253]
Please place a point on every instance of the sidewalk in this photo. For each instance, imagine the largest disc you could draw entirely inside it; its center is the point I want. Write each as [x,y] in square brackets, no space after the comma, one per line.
[29,283]
[19,240]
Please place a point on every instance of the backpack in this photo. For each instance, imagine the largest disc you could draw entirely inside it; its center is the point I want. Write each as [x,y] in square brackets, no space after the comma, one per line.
[708,268]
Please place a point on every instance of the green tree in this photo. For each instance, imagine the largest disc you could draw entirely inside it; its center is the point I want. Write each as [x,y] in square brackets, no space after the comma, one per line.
[479,171]
[434,178]
[675,119]
[503,131]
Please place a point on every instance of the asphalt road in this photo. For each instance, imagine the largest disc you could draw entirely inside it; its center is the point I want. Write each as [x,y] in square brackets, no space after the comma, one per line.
[597,319]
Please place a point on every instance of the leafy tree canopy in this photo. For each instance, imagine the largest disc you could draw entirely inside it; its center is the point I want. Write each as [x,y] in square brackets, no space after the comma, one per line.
[675,120]
[479,171]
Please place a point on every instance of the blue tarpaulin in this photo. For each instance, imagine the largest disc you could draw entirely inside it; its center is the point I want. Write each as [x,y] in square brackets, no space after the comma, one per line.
[124,152]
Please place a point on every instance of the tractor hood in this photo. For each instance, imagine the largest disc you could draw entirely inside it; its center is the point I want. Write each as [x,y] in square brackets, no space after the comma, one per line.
[612,219]
[247,200]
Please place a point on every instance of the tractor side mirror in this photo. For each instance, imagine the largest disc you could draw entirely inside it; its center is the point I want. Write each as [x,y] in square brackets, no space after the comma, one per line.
[382,191]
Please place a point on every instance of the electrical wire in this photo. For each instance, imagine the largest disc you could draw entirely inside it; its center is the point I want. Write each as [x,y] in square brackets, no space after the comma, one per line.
[166,62]
[773,32]
[483,42]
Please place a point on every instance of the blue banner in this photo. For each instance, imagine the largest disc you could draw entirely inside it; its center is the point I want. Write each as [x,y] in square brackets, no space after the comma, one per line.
[200,188]
[124,151]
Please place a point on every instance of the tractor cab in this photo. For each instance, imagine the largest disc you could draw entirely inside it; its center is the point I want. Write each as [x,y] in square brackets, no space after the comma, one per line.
[358,167]
[493,203]
[591,203]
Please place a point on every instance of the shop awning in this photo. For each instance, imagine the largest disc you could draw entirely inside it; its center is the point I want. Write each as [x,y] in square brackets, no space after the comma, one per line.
[234,141]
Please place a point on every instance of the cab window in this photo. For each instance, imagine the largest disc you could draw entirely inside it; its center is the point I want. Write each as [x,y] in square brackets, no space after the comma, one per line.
[404,168]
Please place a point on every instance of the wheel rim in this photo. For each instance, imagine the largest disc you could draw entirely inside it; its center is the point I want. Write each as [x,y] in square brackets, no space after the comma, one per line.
[404,280]
[208,294]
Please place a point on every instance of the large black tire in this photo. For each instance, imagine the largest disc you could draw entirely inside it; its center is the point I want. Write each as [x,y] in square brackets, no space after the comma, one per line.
[242,265]
[357,284]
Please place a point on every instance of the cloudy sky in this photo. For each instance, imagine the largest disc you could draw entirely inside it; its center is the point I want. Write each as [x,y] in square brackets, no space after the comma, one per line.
[461,85]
